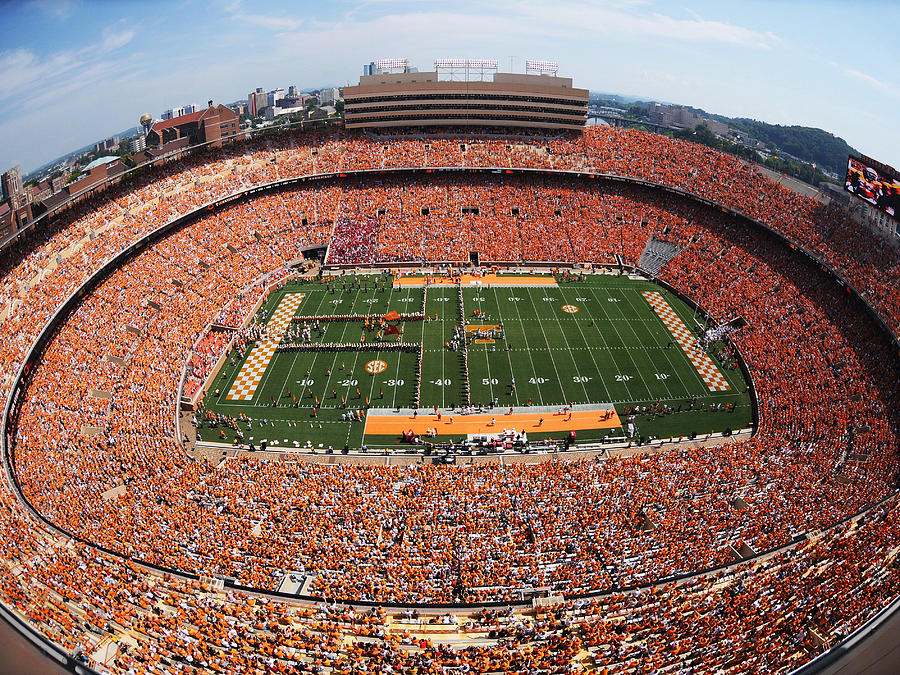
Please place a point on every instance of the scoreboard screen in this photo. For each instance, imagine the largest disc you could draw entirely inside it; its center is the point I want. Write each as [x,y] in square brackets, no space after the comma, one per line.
[874,182]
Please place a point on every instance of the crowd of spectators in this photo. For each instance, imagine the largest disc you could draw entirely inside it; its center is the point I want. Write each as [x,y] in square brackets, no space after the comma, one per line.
[204,358]
[65,473]
[826,447]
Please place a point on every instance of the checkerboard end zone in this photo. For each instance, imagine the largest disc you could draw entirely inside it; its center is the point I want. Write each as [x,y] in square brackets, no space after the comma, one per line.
[708,370]
[244,386]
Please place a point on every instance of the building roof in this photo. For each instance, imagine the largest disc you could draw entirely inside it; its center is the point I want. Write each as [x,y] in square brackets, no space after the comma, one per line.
[56,199]
[115,170]
[100,160]
[193,117]
[178,121]
[177,144]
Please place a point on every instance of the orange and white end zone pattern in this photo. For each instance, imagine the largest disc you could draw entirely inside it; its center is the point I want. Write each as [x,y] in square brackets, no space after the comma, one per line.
[708,370]
[248,379]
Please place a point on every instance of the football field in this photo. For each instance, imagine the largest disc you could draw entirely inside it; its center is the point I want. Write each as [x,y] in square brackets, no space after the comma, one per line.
[338,348]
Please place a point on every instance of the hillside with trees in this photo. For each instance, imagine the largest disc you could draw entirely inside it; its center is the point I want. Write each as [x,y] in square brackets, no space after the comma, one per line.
[806,143]
[784,143]
[791,167]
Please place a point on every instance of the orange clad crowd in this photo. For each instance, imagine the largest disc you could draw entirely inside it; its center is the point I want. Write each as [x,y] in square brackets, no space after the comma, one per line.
[826,447]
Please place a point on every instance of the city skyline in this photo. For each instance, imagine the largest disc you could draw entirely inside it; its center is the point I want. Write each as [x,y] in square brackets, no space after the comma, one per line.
[76,72]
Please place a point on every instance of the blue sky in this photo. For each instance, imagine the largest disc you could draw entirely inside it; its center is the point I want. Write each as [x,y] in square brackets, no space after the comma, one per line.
[75,71]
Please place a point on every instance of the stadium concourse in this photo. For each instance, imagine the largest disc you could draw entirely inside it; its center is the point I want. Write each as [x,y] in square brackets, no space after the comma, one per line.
[807,508]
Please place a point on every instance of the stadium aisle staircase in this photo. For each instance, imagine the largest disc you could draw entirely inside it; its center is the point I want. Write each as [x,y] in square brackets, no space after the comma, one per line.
[656,254]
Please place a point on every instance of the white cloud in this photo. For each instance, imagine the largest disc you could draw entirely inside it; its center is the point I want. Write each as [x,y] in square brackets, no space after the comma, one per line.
[537,22]
[626,23]
[60,9]
[114,39]
[874,82]
[53,76]
[23,69]
[276,23]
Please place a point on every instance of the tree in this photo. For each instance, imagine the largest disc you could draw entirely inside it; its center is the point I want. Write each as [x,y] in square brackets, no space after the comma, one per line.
[639,109]
[807,143]
[702,134]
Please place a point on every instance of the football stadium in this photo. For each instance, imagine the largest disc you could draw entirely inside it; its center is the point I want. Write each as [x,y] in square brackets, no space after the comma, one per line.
[466,393]
[559,367]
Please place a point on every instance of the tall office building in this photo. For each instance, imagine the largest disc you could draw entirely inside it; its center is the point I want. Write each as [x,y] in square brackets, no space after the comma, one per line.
[256,101]
[329,96]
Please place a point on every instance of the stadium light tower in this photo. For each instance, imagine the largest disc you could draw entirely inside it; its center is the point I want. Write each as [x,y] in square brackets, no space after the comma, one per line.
[464,70]
[533,67]
[392,66]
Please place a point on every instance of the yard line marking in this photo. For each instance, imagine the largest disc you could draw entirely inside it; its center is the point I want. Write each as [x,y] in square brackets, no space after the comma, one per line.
[334,374]
[515,393]
[530,357]
[708,370]
[593,360]
[397,374]
[244,386]
[638,371]
[378,358]
[469,328]
[352,370]
[619,335]
[675,368]
[641,342]
[290,376]
[559,381]
[443,355]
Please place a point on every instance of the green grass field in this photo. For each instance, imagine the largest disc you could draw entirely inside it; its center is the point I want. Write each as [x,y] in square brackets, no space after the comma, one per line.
[614,349]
